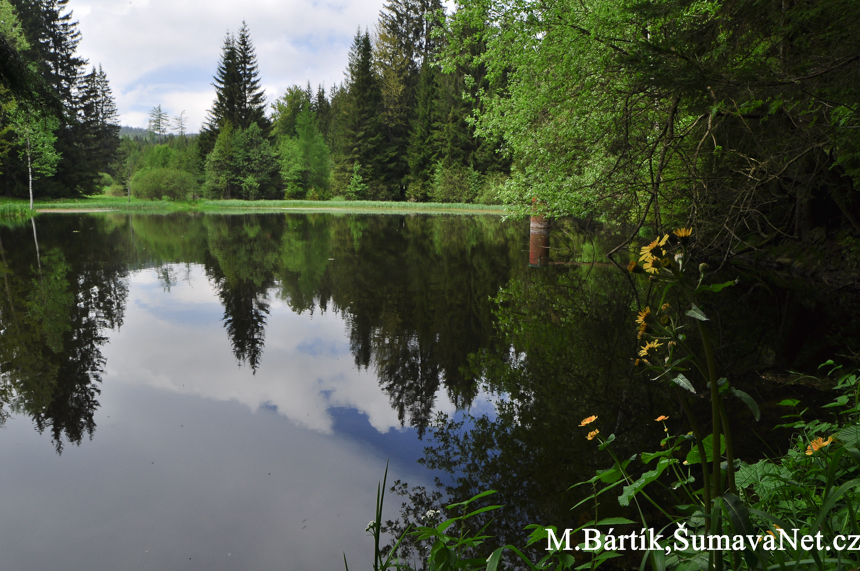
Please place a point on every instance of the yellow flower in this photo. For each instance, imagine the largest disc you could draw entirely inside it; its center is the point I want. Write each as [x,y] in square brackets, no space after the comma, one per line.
[645,254]
[648,346]
[650,267]
[665,307]
[631,266]
[588,420]
[683,232]
[592,434]
[636,363]
[661,418]
[817,445]
[643,315]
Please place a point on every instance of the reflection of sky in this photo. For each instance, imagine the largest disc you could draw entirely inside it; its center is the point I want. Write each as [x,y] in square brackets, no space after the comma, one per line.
[177,342]
[198,464]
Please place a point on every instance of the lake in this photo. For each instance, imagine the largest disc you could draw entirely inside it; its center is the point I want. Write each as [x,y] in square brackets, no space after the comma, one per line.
[224,391]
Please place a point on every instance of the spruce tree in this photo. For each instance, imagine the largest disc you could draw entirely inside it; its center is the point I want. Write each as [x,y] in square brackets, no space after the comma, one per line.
[53,38]
[322,107]
[423,143]
[87,137]
[238,96]
[252,99]
[363,128]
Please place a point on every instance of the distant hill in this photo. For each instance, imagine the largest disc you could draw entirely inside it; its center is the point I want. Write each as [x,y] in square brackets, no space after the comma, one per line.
[138,133]
[133,132]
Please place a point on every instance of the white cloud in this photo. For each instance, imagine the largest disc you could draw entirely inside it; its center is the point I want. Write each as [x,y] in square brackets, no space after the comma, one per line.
[307,367]
[166,51]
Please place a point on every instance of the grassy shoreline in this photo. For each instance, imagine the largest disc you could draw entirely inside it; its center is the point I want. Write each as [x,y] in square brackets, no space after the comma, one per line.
[119,204]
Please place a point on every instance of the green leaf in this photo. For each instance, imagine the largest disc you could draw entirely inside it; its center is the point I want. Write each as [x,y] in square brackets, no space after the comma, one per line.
[748,400]
[738,514]
[472,499]
[684,383]
[831,500]
[615,521]
[788,402]
[716,287]
[696,313]
[607,442]
[839,401]
[648,456]
[693,456]
[849,435]
[645,479]
[495,557]
[480,511]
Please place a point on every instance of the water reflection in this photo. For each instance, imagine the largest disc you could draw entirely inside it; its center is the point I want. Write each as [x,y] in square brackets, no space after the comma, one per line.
[413,292]
[53,317]
[233,366]
[319,336]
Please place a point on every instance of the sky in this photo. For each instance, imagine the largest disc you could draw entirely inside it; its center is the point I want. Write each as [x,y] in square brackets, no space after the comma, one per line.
[165,52]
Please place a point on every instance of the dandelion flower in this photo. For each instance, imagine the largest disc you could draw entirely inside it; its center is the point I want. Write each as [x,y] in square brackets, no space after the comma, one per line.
[592,434]
[645,254]
[683,232]
[650,267]
[648,346]
[661,418]
[665,307]
[588,420]
[631,266]
[817,445]
[643,315]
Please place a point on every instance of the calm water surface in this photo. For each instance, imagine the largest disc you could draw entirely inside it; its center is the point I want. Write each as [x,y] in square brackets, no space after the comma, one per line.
[219,392]
[223,392]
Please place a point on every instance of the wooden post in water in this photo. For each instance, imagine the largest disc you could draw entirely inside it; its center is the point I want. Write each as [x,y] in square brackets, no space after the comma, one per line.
[538,240]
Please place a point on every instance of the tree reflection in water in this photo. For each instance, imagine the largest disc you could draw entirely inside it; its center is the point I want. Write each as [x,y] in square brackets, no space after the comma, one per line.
[414,292]
[53,316]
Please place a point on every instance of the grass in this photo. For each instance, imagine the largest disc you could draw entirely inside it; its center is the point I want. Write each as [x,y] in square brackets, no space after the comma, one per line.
[226,206]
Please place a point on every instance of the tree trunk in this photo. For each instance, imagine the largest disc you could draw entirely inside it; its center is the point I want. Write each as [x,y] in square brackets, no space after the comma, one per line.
[30,170]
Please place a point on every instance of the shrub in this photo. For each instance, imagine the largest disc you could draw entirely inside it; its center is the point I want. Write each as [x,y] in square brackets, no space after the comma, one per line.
[455,183]
[106,181]
[116,189]
[490,190]
[157,183]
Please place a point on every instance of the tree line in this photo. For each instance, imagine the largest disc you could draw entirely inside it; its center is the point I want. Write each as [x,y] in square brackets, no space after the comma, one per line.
[396,128]
[58,119]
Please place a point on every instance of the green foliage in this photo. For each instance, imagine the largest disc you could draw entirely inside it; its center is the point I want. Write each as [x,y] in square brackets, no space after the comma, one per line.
[160,157]
[242,165]
[669,112]
[291,167]
[15,210]
[156,183]
[357,188]
[286,109]
[36,140]
[455,184]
